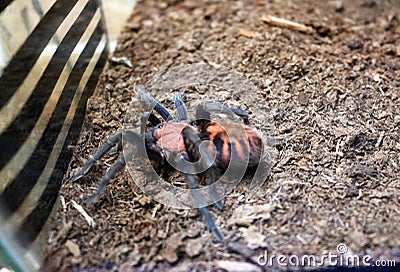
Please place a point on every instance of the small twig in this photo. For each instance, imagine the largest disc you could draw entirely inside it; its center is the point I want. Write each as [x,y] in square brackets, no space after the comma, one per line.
[301,239]
[275,197]
[84,213]
[123,60]
[380,139]
[337,151]
[275,21]
[247,33]
[64,206]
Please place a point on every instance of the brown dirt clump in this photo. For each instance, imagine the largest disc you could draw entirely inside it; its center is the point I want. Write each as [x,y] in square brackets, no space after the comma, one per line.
[334,97]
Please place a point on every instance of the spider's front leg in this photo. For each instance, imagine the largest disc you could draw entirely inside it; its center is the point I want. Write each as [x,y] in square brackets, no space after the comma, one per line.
[135,139]
[153,104]
[191,140]
[148,117]
[131,137]
[120,163]
[192,146]
[110,174]
[111,141]
[192,184]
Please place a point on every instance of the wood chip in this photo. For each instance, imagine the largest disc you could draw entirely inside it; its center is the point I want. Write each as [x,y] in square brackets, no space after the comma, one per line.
[261,3]
[123,60]
[279,22]
[193,247]
[247,33]
[237,266]
[362,170]
[303,99]
[246,214]
[255,239]
[241,249]
[73,248]
[169,252]
[380,139]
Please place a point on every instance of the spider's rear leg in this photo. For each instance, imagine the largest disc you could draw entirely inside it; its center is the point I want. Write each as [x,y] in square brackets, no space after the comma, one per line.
[206,107]
[244,115]
[111,141]
[192,146]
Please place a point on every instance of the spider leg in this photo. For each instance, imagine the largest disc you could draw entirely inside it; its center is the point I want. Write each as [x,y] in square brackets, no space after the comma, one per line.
[192,184]
[111,141]
[211,178]
[150,101]
[133,139]
[244,115]
[110,174]
[148,116]
[192,145]
[202,115]
[180,106]
[204,109]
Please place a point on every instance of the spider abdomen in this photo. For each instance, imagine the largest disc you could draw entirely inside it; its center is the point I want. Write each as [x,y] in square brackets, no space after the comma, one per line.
[235,143]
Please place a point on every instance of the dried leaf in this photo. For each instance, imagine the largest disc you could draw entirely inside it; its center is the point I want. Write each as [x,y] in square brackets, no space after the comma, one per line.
[303,99]
[359,238]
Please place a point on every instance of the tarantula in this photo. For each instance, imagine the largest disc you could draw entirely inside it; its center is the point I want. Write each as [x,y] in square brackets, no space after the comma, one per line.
[183,139]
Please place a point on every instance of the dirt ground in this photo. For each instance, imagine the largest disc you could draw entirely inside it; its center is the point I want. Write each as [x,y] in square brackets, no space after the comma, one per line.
[334,98]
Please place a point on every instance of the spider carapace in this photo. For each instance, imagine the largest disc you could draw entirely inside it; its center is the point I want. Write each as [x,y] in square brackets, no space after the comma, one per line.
[229,141]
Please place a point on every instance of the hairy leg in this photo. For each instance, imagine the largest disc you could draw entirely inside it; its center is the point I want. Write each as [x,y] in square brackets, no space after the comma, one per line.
[192,146]
[137,147]
[180,106]
[148,117]
[111,141]
[206,107]
[192,184]
[151,102]
[110,174]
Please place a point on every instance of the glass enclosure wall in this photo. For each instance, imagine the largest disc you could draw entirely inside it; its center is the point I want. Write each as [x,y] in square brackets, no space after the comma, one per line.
[51,55]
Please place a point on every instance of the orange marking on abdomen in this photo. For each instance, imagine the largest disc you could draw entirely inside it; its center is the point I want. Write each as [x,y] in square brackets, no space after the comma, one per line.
[214,129]
[243,149]
[239,149]
[225,150]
